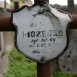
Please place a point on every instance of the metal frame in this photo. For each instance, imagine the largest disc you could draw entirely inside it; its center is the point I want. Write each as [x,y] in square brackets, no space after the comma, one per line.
[43,70]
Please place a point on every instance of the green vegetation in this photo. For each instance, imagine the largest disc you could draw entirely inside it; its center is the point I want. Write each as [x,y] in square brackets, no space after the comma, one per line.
[56,6]
[20,66]
[23,67]
[60,74]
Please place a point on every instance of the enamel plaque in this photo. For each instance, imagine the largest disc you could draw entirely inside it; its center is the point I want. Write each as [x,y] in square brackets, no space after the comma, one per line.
[41,32]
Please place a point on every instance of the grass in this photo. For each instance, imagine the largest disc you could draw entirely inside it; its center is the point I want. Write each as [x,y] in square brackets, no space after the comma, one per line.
[20,66]
[60,74]
[23,67]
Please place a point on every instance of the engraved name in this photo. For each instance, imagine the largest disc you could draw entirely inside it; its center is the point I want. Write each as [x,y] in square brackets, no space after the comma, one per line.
[43,33]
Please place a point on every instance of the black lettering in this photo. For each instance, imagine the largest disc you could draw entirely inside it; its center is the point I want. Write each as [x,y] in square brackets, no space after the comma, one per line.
[43,45]
[35,51]
[31,45]
[37,45]
[52,39]
[43,33]
[34,41]
[28,34]
[60,32]
[44,40]
[32,34]
[50,44]
[32,24]
[23,34]
[50,33]
[38,33]
[54,33]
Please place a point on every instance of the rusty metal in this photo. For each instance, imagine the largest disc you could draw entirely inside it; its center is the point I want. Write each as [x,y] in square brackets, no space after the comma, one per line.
[37,1]
[44,70]
[73,24]
[6,25]
[16,5]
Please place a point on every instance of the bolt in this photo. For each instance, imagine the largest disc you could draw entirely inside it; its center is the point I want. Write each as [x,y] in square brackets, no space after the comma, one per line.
[43,59]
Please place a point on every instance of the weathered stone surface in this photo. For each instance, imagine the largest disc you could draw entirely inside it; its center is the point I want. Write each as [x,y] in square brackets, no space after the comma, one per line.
[68,61]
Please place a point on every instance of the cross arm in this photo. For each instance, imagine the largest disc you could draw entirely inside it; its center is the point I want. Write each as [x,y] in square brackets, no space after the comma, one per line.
[6,25]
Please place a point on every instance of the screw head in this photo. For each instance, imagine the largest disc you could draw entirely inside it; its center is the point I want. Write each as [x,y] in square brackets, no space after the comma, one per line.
[43,59]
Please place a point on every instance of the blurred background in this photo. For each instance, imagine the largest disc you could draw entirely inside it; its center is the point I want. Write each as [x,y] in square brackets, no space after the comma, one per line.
[64,4]
[14,64]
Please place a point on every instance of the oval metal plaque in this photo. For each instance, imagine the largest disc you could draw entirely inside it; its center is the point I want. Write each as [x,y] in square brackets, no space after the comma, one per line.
[40,32]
